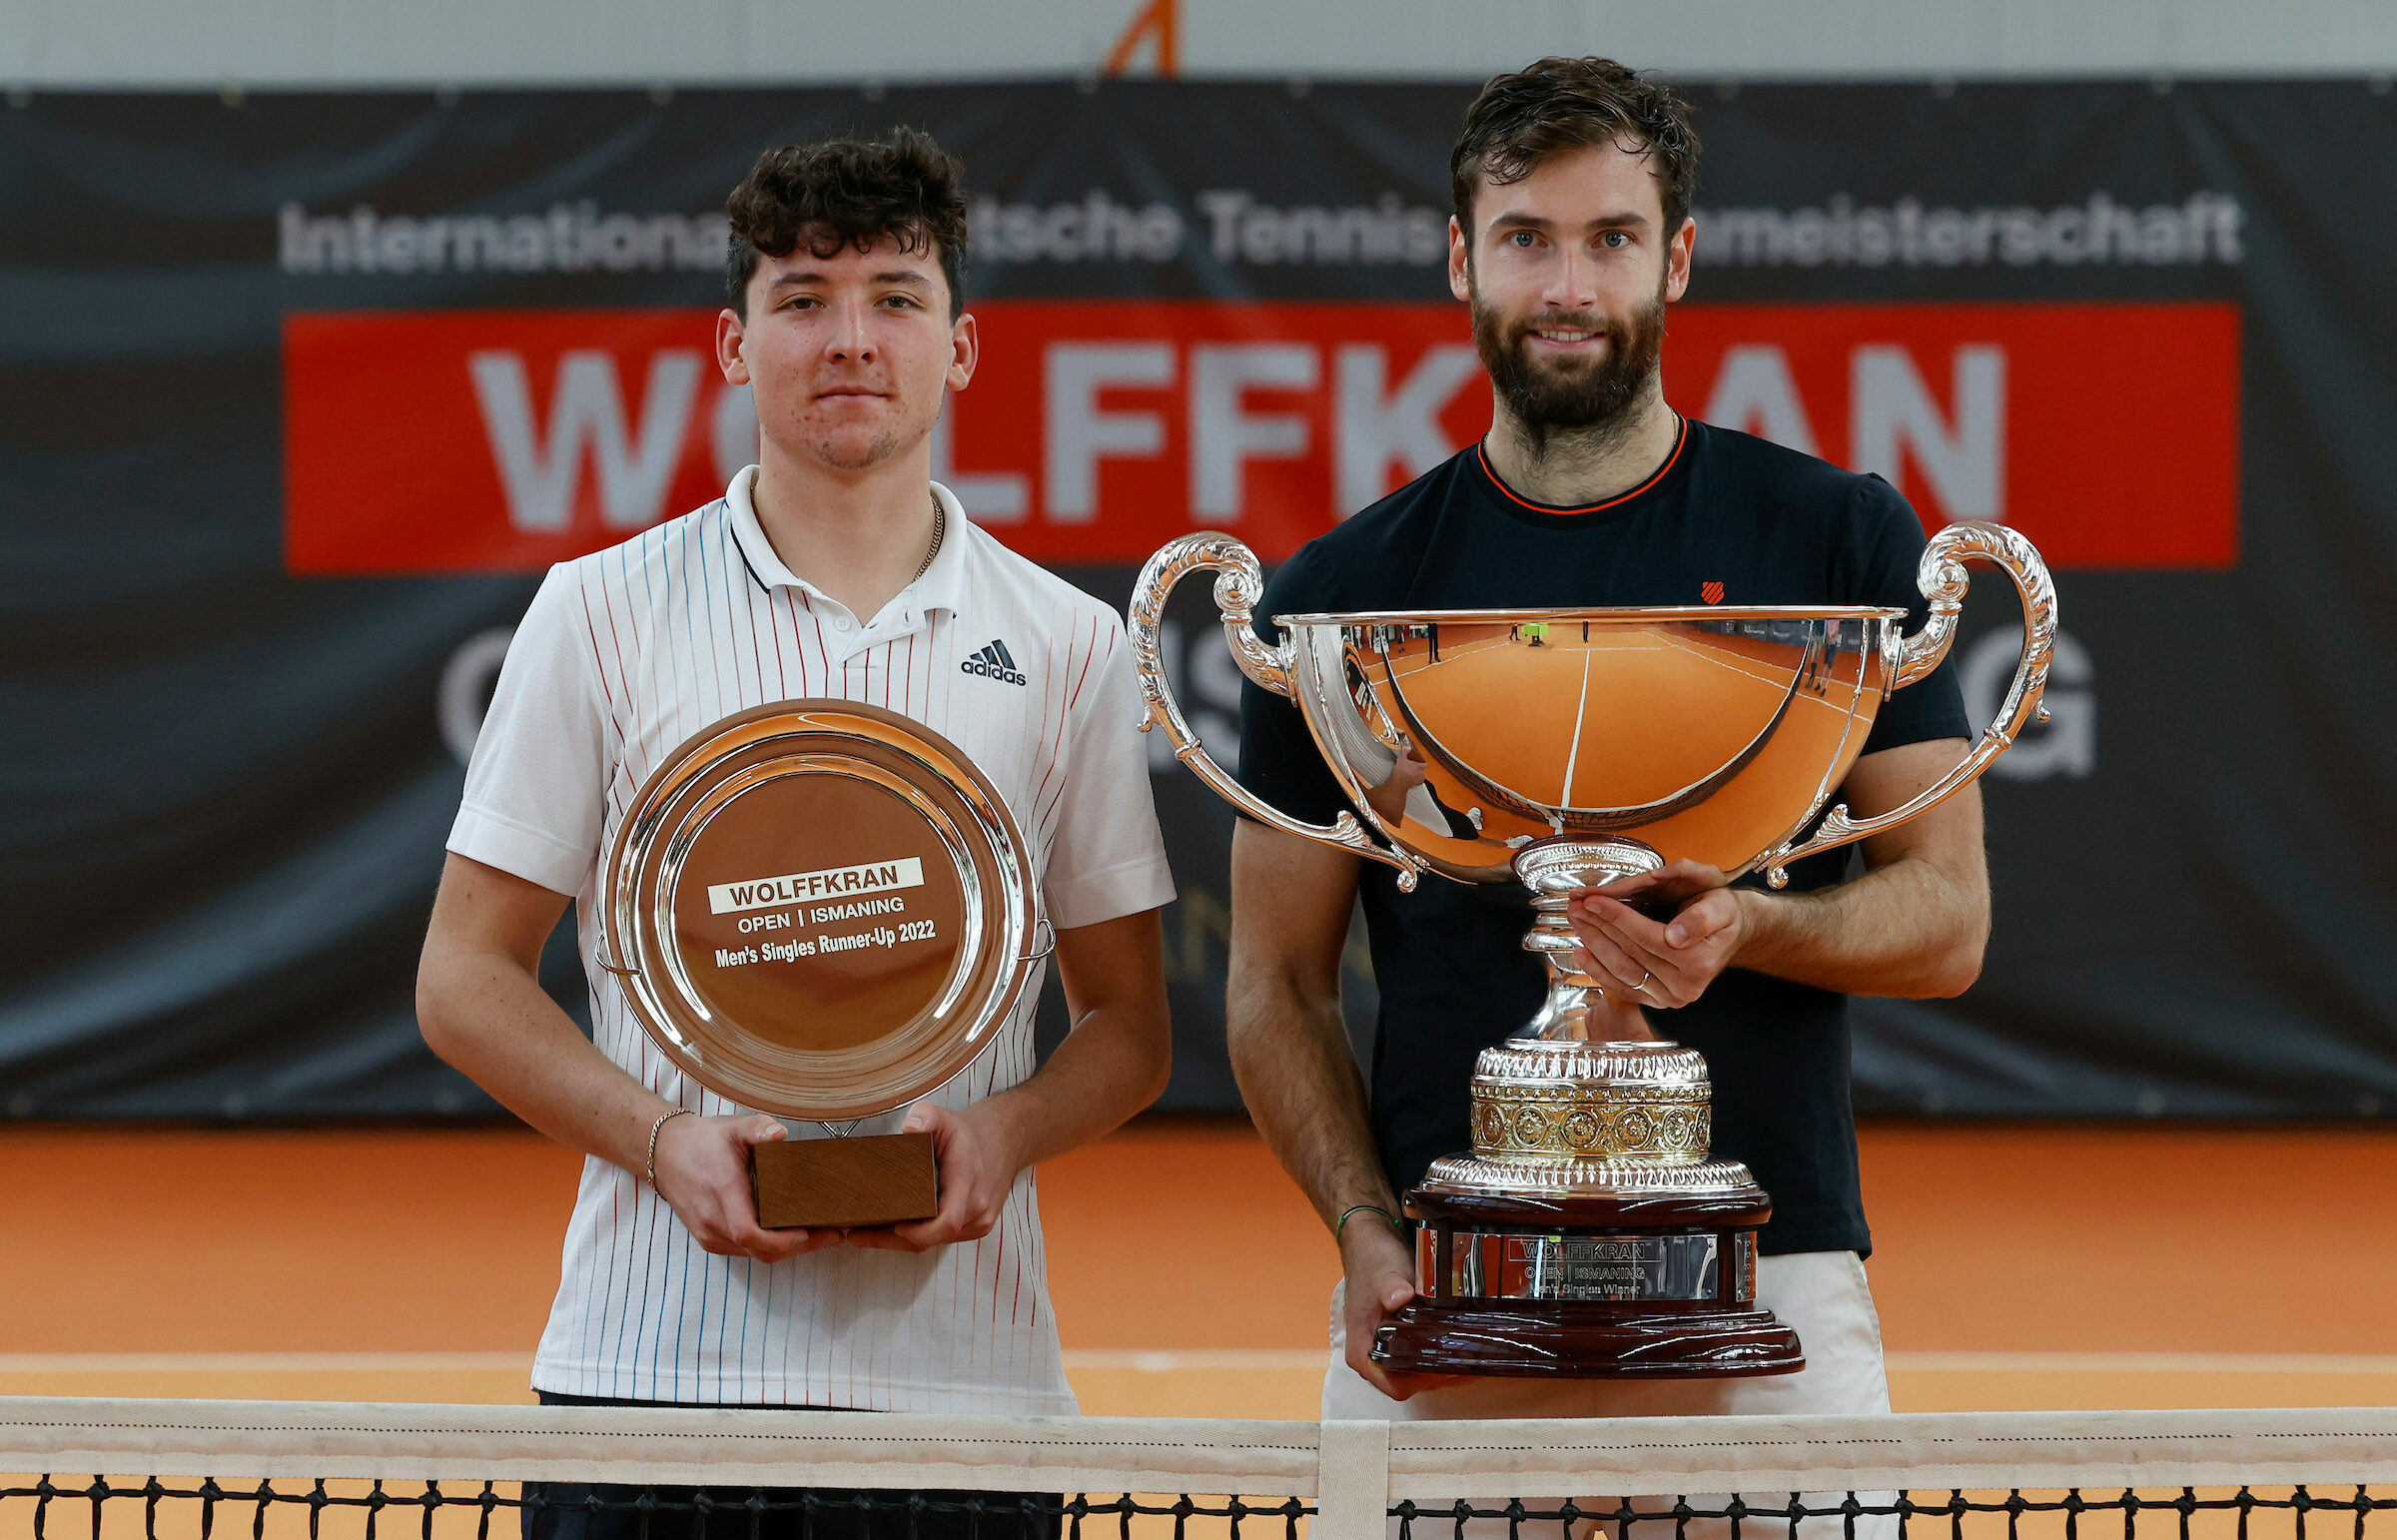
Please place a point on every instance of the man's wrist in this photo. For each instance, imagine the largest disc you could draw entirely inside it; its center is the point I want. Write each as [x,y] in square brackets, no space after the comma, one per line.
[1371,1220]
[629,1141]
[1004,1123]
[1759,917]
[1366,1213]
[657,1129]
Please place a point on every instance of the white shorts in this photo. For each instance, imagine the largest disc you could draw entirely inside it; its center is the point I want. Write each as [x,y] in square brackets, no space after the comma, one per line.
[1822,1294]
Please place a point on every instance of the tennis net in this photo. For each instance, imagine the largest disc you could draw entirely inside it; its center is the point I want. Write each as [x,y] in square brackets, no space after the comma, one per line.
[168,1470]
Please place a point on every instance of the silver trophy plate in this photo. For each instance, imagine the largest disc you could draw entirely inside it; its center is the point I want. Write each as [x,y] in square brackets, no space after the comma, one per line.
[819,909]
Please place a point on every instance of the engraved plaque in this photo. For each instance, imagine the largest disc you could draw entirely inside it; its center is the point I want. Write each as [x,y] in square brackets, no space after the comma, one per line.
[1596,1268]
[818,909]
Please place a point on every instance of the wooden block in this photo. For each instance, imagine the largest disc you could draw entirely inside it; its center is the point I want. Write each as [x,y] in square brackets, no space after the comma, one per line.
[844,1184]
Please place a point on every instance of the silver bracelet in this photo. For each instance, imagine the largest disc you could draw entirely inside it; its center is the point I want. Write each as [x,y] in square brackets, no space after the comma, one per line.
[663,1119]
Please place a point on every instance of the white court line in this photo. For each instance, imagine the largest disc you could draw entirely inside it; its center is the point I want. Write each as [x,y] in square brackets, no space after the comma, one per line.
[1149,1361]
[1166,1361]
[259,1364]
[1580,709]
[2146,1363]
[1773,679]
[1171,1362]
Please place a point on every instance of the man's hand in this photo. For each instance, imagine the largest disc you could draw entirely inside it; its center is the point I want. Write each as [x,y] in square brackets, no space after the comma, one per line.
[1380,1282]
[978,1168]
[1666,961]
[704,1171]
[1389,798]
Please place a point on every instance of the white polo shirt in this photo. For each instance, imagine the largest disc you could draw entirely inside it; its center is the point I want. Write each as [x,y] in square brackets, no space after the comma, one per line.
[624,655]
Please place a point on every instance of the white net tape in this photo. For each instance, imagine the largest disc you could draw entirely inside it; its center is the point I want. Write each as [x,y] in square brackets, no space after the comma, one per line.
[1352,1474]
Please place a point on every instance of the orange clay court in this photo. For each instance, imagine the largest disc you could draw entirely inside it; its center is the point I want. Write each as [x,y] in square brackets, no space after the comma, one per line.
[2017,1266]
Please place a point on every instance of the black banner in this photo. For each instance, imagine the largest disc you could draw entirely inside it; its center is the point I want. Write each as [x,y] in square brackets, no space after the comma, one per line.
[300,394]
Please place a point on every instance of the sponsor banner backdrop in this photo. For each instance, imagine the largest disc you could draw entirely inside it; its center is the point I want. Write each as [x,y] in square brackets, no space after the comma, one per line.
[303,393]
[1097,430]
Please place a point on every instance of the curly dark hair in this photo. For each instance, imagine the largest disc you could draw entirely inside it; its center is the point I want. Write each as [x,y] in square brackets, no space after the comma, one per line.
[1520,119]
[849,192]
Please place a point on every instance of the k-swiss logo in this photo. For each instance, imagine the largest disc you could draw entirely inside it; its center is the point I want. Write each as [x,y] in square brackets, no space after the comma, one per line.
[993,662]
[1711,591]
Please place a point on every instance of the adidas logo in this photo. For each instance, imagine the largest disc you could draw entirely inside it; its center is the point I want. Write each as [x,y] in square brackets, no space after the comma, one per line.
[993,662]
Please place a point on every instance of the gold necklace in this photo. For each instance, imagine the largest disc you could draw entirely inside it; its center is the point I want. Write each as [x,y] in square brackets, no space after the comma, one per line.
[939,527]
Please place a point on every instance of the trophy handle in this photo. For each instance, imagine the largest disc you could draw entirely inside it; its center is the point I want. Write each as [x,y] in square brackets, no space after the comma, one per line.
[1942,580]
[1238,585]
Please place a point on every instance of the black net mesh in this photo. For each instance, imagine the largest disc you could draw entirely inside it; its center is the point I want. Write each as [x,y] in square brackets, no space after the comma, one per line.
[53,1507]
[2242,1513]
[117,1507]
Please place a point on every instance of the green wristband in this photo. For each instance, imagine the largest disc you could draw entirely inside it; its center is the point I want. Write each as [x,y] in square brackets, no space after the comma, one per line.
[1339,1229]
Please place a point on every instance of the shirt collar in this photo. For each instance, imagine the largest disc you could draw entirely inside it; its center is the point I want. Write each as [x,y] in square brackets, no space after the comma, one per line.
[1515,502]
[942,585]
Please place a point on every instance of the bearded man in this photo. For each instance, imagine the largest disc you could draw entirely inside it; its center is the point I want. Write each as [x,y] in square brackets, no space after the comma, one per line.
[1572,234]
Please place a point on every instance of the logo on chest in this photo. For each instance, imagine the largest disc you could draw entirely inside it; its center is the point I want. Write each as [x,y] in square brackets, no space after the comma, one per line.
[993,662]
[1711,591]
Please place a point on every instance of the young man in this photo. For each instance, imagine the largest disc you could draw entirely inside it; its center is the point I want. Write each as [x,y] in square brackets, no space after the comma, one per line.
[1572,232]
[835,567]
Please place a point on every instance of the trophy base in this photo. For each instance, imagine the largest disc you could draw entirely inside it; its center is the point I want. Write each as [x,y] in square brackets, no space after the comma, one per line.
[845,1184]
[1653,1279]
[1549,1339]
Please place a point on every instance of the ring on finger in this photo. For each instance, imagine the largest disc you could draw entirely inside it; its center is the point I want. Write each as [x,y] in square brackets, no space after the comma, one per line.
[1641,988]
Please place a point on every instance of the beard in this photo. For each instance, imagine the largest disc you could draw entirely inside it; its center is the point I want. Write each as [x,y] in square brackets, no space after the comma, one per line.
[1570,394]
[857,452]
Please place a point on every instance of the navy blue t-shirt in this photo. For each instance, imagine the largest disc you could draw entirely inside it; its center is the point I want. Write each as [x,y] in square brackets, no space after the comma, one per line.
[1772,526]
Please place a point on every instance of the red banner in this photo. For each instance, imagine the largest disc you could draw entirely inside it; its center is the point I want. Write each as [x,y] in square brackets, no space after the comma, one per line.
[496,441]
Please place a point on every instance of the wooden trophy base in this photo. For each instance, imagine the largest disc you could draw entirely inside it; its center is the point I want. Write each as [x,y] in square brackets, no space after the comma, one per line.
[1543,1339]
[1588,1285]
[845,1184]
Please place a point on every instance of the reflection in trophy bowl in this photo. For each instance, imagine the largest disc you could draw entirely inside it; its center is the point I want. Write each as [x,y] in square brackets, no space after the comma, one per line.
[1709,735]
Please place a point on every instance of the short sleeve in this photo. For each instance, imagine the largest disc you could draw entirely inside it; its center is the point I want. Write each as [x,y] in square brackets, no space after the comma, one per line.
[535,796]
[1108,859]
[1280,762]
[1887,537]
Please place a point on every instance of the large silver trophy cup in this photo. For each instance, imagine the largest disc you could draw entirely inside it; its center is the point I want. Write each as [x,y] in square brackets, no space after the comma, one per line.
[1588,1234]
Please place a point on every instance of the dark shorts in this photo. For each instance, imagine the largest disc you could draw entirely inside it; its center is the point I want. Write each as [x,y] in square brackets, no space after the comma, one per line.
[561,1510]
